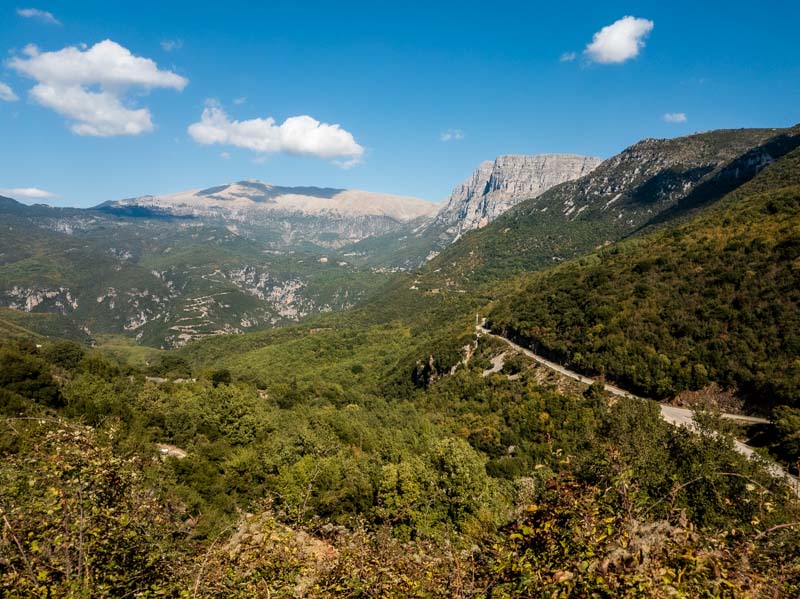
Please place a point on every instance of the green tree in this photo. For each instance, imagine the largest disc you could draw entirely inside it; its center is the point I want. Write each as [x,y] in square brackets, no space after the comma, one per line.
[63,353]
[221,376]
[29,377]
[462,481]
[77,521]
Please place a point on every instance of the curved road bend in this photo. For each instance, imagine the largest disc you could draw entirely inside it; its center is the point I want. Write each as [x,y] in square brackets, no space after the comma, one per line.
[672,414]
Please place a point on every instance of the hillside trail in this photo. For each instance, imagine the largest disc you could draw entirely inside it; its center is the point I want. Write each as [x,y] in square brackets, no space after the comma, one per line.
[672,414]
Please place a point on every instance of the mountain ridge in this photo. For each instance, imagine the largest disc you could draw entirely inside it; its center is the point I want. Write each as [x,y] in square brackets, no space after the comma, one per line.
[248,195]
[625,193]
[498,185]
[711,300]
[170,278]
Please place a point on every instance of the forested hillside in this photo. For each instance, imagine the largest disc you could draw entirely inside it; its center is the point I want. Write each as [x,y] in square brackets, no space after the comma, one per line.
[228,488]
[716,299]
[650,183]
[163,280]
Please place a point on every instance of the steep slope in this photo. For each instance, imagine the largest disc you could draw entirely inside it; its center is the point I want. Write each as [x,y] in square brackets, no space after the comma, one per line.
[496,186]
[287,216]
[14,324]
[716,299]
[651,182]
[492,189]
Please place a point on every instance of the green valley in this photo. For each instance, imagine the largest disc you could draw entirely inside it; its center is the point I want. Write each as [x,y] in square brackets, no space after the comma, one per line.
[358,437]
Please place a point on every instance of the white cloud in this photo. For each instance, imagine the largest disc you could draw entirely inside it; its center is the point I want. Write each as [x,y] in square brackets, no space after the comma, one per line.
[568,57]
[39,15]
[620,41]
[29,193]
[224,155]
[452,135]
[240,101]
[300,135]
[106,64]
[170,45]
[676,117]
[7,94]
[88,86]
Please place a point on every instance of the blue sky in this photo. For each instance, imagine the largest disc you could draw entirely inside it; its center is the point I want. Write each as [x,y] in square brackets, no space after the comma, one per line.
[501,77]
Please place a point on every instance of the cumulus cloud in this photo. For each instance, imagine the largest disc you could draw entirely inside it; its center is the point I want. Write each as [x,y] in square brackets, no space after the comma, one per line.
[568,57]
[7,94]
[39,15]
[28,193]
[452,135]
[300,135]
[675,117]
[170,45]
[620,41]
[88,86]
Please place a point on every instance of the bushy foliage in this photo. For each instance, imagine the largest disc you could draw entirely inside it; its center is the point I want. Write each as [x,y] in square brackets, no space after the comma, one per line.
[78,520]
[64,353]
[427,493]
[25,377]
[367,455]
[713,300]
[585,541]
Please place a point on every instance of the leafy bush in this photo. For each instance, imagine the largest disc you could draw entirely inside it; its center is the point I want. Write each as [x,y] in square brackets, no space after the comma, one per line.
[28,377]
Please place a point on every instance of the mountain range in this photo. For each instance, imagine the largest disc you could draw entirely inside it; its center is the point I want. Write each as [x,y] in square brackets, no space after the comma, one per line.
[287,216]
[167,270]
[170,269]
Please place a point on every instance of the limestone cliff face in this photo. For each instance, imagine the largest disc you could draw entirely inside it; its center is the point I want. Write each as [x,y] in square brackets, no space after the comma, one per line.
[498,185]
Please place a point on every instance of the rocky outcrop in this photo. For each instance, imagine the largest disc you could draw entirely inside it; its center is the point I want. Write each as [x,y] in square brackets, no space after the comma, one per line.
[58,300]
[496,186]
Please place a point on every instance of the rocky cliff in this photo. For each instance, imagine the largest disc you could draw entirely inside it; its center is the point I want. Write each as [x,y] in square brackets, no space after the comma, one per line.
[498,185]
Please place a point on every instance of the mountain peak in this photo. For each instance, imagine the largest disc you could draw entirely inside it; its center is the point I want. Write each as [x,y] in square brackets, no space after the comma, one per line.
[498,185]
[324,215]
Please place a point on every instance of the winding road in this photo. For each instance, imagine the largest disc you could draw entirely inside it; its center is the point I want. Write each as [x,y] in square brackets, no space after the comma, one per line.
[672,414]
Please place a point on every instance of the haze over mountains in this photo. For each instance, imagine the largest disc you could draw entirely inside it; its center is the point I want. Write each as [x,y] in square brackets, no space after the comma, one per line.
[325,216]
[353,215]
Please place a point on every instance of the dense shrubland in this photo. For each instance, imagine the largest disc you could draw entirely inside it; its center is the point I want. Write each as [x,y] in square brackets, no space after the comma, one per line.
[715,300]
[463,485]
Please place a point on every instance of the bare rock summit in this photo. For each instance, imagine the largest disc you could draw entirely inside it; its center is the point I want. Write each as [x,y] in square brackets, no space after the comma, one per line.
[496,186]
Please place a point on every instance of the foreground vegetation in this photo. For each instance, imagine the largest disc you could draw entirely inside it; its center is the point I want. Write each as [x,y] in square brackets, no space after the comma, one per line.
[456,485]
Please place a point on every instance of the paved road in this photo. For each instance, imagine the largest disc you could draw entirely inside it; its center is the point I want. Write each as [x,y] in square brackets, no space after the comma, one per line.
[672,414]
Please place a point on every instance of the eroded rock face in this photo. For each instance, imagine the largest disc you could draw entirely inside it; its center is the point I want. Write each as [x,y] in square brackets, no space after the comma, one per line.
[496,186]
